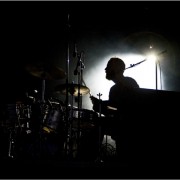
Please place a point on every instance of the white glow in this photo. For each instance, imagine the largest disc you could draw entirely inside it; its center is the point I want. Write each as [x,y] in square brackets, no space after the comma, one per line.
[95,78]
[151,57]
[144,73]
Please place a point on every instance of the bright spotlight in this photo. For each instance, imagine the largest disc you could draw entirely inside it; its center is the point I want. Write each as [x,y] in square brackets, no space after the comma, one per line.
[152,57]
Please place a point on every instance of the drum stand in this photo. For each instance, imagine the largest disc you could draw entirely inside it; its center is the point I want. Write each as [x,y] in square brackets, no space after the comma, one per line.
[11,150]
[68,120]
[70,131]
[42,119]
[12,130]
[19,115]
[68,126]
[79,72]
[14,117]
[67,95]
[99,160]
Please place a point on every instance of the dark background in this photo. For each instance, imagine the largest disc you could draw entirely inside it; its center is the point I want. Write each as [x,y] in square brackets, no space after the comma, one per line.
[33,31]
[40,31]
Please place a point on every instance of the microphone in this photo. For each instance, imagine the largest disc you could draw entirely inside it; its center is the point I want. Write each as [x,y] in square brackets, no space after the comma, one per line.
[75,51]
[82,59]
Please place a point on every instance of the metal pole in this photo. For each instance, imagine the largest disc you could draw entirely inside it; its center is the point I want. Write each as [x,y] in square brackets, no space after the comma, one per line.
[156,75]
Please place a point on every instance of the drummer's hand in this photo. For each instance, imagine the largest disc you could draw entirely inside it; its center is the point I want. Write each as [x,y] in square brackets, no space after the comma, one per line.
[95,101]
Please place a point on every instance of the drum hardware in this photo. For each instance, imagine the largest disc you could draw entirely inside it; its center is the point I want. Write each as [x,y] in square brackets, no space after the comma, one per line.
[112,108]
[11,150]
[99,158]
[78,89]
[18,116]
[108,148]
[72,89]
[53,116]
[23,114]
[45,71]
[86,118]
[50,112]
[72,135]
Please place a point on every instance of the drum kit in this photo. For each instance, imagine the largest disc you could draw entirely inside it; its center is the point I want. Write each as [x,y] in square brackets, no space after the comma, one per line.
[32,124]
[41,118]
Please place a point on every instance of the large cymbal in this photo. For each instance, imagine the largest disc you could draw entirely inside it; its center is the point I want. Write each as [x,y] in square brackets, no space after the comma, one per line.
[46,71]
[72,89]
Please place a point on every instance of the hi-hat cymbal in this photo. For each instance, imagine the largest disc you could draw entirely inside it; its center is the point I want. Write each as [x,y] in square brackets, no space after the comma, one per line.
[72,89]
[46,71]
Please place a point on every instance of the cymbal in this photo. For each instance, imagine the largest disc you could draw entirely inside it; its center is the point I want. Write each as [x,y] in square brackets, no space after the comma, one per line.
[72,89]
[46,71]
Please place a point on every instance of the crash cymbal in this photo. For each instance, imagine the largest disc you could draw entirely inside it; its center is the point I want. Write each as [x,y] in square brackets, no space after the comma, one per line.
[46,71]
[72,89]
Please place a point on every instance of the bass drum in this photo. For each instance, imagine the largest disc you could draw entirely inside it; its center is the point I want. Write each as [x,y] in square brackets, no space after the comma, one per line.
[54,117]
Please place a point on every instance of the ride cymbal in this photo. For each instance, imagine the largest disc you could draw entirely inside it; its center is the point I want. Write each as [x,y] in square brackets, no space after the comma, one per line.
[46,71]
[72,89]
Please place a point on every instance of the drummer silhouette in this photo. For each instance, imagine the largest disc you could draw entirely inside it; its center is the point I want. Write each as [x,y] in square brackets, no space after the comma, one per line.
[115,106]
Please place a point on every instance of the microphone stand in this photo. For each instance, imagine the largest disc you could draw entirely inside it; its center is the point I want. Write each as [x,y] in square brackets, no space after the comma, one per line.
[132,65]
[79,72]
[67,95]
[156,68]
[157,62]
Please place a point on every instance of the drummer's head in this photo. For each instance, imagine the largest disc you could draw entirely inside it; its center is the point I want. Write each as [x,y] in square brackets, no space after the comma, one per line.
[115,66]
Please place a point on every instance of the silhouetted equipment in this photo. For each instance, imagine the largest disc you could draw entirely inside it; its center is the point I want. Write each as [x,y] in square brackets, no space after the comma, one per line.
[72,89]
[149,119]
[87,118]
[46,71]
[53,120]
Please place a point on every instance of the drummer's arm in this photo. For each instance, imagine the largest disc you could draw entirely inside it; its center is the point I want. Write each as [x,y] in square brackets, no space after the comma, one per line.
[99,105]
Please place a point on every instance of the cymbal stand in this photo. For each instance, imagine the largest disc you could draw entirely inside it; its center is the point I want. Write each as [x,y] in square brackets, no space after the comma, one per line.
[43,109]
[79,72]
[98,160]
[70,130]
[67,92]
[43,90]
[12,145]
